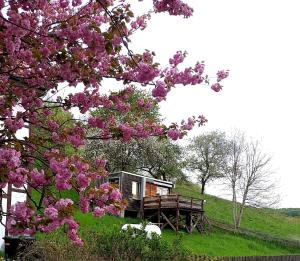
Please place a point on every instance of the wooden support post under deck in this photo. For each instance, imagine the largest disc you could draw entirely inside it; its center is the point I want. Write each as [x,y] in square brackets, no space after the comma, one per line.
[159,210]
[177,214]
[142,208]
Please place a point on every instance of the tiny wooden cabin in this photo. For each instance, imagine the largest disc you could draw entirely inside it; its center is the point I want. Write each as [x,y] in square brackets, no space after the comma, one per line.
[135,187]
[151,199]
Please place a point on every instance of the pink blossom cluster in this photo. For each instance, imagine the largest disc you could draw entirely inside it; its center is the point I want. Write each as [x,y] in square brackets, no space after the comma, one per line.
[177,58]
[221,75]
[20,176]
[21,220]
[58,214]
[188,76]
[140,130]
[9,158]
[145,104]
[24,221]
[10,165]
[160,91]
[139,23]
[68,170]
[173,7]
[104,199]
[177,132]
[14,124]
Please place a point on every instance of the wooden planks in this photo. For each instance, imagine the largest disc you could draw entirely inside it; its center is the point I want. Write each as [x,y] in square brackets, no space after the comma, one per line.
[172,201]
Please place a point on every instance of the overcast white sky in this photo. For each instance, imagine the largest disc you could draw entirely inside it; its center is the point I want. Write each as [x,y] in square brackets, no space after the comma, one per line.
[259,42]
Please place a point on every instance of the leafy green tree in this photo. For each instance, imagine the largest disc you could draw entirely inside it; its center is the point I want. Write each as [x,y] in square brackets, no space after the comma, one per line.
[158,157]
[206,155]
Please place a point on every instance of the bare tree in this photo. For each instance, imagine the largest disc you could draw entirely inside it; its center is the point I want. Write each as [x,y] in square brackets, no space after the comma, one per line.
[248,173]
[234,167]
[206,155]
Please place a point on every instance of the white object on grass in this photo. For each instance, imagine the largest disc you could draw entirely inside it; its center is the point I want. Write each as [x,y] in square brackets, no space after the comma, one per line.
[149,229]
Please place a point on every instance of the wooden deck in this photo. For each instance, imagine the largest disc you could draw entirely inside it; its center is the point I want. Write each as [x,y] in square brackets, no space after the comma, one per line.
[175,211]
[173,202]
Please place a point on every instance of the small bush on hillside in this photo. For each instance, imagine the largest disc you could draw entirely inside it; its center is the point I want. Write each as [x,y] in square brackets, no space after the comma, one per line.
[111,245]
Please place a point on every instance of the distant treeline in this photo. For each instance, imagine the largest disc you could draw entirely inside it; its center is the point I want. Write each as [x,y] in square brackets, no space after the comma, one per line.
[292,212]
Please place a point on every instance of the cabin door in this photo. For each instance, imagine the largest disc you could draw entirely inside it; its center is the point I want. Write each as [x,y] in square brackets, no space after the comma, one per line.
[151,190]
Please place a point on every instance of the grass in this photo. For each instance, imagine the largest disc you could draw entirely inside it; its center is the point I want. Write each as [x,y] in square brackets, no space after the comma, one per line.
[266,221]
[218,242]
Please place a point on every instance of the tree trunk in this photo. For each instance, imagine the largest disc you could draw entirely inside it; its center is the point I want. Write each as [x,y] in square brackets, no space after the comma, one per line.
[234,207]
[203,183]
[241,211]
[238,223]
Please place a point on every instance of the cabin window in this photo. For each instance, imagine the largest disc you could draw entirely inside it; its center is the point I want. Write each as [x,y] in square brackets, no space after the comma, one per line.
[162,191]
[135,189]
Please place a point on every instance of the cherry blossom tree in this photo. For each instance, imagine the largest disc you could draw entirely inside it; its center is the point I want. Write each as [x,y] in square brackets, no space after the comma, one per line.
[48,45]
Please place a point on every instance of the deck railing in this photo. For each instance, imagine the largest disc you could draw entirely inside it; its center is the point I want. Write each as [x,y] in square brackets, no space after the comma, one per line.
[173,201]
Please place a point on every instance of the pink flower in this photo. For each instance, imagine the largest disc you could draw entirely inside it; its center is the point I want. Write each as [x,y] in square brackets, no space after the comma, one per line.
[115,195]
[51,212]
[37,178]
[222,75]
[82,181]
[96,122]
[18,177]
[98,212]
[63,203]
[173,7]
[10,158]
[146,73]
[216,87]
[52,125]
[84,204]
[76,2]
[64,3]
[160,90]
[174,134]
[14,124]
[177,58]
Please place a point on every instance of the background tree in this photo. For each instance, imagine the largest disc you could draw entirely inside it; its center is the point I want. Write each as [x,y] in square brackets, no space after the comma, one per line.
[256,184]
[233,168]
[206,155]
[160,158]
[248,174]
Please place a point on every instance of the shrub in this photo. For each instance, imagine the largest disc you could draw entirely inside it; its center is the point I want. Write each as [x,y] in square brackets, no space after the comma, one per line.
[110,245]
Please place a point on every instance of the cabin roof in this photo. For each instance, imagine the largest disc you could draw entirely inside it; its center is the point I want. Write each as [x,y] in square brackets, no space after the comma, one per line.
[152,180]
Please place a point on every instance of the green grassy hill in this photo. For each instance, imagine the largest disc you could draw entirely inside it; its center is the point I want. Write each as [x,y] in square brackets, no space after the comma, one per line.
[218,242]
[266,221]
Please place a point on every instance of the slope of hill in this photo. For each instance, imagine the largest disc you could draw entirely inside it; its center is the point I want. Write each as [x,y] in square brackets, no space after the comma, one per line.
[292,212]
[266,221]
[218,242]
